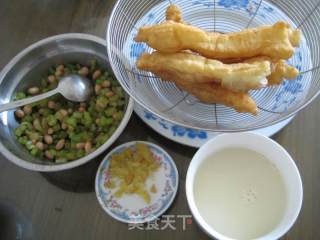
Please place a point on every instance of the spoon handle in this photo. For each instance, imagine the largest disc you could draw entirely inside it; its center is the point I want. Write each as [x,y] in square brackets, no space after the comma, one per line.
[20,103]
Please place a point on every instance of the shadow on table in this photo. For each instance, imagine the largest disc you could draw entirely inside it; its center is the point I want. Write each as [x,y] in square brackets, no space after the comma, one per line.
[14,224]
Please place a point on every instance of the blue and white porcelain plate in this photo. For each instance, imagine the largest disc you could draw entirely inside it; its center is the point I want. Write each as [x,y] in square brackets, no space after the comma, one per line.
[188,136]
[132,208]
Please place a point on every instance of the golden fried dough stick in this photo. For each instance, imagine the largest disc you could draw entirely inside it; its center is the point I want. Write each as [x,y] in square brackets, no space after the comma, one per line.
[214,93]
[277,41]
[198,69]
[174,13]
[280,70]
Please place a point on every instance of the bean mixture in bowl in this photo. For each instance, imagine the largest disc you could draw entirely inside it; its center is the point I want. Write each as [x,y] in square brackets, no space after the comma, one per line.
[59,130]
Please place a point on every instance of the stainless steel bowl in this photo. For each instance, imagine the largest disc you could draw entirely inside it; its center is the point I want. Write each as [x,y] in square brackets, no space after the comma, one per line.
[26,69]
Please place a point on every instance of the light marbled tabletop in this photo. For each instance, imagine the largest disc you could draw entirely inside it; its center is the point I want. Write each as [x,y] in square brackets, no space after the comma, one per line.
[63,205]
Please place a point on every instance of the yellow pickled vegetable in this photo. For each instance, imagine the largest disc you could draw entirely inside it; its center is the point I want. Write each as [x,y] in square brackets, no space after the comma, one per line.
[132,167]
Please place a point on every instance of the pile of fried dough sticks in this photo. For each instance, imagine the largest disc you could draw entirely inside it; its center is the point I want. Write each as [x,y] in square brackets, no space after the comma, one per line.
[216,67]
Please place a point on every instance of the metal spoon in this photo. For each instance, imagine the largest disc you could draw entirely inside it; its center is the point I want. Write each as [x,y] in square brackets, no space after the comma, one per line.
[73,87]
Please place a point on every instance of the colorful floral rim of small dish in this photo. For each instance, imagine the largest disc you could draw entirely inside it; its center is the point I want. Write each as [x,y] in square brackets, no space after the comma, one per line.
[165,196]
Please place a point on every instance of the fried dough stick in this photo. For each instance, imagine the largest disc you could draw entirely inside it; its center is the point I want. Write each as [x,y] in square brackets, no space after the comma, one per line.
[197,69]
[277,41]
[211,92]
[174,13]
[214,93]
[279,68]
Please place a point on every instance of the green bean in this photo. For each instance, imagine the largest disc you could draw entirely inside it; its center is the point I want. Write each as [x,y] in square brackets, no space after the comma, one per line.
[102,102]
[71,121]
[52,120]
[23,140]
[71,155]
[44,111]
[99,80]
[118,115]
[56,127]
[87,119]
[110,111]
[27,118]
[35,151]
[34,136]
[105,121]
[26,125]
[80,153]
[18,131]
[114,98]
[29,145]
[75,138]
[77,115]
[20,95]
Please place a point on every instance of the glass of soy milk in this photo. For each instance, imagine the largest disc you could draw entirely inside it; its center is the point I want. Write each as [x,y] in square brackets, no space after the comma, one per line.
[244,186]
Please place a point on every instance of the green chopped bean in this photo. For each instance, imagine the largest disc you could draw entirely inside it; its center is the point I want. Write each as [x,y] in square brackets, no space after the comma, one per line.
[77,115]
[118,115]
[52,120]
[56,127]
[102,102]
[99,80]
[34,151]
[29,145]
[26,125]
[23,140]
[18,132]
[58,119]
[71,121]
[20,95]
[87,119]
[110,111]
[27,118]
[105,121]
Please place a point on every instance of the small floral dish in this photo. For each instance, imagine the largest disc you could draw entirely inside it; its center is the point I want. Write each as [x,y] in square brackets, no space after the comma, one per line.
[131,208]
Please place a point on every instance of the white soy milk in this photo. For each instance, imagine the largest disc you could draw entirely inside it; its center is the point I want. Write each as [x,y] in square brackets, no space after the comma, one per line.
[240,193]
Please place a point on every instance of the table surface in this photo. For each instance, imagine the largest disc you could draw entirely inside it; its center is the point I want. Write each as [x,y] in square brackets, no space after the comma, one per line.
[63,205]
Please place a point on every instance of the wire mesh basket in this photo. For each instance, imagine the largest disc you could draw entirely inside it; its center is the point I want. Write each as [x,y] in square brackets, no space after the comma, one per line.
[167,101]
